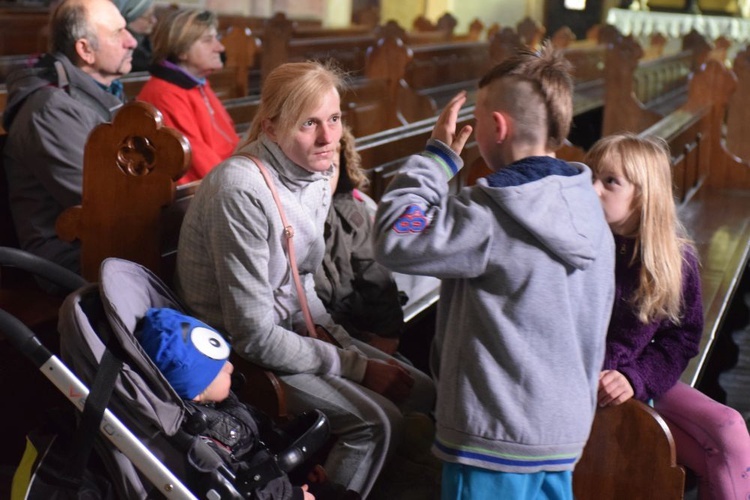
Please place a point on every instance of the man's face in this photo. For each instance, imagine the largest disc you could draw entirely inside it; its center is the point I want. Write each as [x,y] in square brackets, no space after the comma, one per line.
[113,54]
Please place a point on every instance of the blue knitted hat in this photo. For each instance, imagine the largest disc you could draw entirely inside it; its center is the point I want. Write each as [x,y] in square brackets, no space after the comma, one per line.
[188,352]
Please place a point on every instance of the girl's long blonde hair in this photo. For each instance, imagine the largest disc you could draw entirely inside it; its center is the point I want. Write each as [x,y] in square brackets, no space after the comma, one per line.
[660,240]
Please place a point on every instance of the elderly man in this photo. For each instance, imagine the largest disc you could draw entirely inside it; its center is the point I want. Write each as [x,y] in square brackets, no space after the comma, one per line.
[51,110]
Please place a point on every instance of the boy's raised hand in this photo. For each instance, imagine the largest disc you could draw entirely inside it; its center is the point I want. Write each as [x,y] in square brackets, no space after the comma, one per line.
[445,128]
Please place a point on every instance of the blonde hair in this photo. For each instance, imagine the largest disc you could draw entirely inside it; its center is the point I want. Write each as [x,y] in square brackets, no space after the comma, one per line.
[660,241]
[536,89]
[351,161]
[291,91]
[178,31]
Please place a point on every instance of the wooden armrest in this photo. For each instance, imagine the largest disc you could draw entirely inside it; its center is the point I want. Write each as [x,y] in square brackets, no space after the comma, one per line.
[262,389]
[630,454]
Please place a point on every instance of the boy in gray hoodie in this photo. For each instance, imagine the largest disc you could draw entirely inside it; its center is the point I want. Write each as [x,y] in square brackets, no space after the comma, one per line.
[526,262]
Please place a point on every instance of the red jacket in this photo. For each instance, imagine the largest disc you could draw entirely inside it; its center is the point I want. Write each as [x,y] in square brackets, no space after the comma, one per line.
[193,109]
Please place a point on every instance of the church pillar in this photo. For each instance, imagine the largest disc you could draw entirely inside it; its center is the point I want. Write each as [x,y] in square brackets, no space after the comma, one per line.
[436,8]
[402,12]
[338,13]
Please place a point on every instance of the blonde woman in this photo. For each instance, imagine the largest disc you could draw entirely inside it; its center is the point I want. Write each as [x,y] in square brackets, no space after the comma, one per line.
[233,272]
[657,319]
[186,50]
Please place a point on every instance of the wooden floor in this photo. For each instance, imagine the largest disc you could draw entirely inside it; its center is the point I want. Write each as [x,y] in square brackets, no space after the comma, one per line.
[736,381]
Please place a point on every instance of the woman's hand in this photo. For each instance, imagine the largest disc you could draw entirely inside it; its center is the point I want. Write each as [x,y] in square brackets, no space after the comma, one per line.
[445,127]
[389,379]
[614,388]
[386,344]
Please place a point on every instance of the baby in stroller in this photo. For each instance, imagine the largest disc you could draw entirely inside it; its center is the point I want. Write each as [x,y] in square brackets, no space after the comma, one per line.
[193,358]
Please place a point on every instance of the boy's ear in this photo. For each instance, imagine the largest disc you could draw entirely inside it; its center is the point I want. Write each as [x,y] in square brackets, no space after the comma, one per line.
[502,126]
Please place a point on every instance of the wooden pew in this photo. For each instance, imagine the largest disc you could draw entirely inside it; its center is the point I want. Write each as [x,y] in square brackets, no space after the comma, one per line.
[630,454]
[23,30]
[281,45]
[639,93]
[712,188]
[738,115]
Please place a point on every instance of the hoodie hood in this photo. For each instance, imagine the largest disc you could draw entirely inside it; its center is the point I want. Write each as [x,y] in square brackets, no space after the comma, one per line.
[56,70]
[24,82]
[534,199]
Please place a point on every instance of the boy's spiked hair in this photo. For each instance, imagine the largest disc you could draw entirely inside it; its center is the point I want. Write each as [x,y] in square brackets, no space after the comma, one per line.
[548,74]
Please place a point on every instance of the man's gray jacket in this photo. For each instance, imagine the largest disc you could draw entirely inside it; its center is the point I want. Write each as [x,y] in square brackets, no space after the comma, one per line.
[51,110]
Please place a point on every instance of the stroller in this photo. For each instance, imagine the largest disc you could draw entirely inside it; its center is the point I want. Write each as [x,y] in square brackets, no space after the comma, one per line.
[149,450]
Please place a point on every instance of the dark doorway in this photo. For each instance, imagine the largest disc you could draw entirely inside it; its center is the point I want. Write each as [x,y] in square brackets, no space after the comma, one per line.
[556,15]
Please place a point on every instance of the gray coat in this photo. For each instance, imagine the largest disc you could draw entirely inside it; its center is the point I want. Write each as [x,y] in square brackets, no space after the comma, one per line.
[233,272]
[51,110]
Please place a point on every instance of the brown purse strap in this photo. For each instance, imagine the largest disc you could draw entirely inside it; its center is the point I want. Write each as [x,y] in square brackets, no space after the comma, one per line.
[289,234]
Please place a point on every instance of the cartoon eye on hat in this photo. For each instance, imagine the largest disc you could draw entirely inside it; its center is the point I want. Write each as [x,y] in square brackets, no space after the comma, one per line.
[210,343]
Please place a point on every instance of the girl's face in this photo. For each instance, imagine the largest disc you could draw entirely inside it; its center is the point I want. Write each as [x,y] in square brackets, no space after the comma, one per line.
[617,195]
[313,143]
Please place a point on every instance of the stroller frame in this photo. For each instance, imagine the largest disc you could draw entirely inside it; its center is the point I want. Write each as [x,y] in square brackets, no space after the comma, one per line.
[220,482]
[71,386]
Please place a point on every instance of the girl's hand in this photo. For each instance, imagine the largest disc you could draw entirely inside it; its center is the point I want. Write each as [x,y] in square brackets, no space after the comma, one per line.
[614,388]
[307,494]
[445,127]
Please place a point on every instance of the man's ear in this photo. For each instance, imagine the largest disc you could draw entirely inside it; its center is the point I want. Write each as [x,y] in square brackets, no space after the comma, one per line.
[85,51]
[502,126]
[269,128]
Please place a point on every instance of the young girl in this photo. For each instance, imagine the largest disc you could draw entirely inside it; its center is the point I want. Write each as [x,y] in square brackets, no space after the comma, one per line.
[657,318]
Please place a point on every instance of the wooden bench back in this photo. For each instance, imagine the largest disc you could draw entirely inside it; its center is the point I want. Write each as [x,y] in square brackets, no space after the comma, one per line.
[23,31]
[639,93]
[738,112]
[638,460]
[281,44]
[128,171]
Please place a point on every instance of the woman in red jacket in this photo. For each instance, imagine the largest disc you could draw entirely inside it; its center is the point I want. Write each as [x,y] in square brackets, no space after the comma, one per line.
[187,50]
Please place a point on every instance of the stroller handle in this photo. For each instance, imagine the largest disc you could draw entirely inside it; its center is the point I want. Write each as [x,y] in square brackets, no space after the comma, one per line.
[23,339]
[50,271]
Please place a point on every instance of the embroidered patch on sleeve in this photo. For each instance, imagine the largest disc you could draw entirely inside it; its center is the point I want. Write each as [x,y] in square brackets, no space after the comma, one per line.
[413,220]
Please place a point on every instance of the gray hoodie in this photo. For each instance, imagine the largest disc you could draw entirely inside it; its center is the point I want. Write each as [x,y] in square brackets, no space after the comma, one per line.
[51,110]
[527,287]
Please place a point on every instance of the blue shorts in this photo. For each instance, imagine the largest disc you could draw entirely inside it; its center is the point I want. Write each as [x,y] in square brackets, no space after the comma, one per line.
[464,482]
